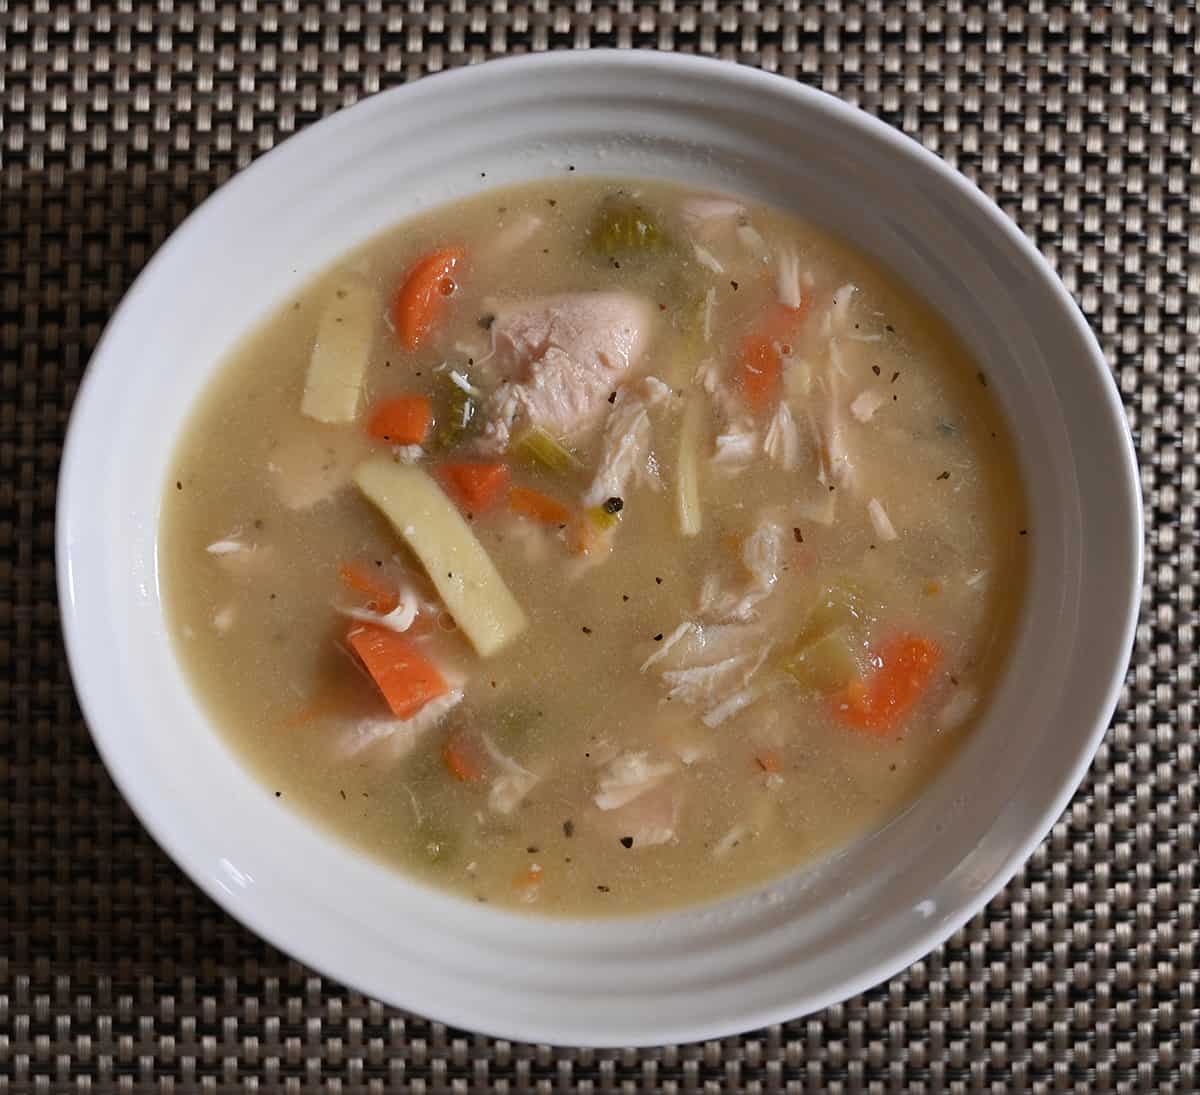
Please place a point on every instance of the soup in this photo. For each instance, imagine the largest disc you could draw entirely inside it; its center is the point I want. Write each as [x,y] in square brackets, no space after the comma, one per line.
[596,546]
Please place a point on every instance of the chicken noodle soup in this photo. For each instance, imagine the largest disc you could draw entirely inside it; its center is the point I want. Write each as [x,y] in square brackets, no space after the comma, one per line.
[596,547]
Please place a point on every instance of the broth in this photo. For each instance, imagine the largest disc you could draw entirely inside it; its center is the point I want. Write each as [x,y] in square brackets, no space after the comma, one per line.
[743,580]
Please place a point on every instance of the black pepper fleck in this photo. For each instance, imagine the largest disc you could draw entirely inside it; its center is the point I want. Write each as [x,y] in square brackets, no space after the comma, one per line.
[658,581]
[614,505]
[889,328]
[568,828]
[1024,532]
[797,535]
[624,596]
[612,397]
[551,202]
[587,630]
[279,794]
[626,842]
[876,369]
[603,889]
[659,637]
[570,167]
[944,475]
[342,793]
[982,379]
[735,285]
[532,849]
[258,522]
[895,377]
[178,485]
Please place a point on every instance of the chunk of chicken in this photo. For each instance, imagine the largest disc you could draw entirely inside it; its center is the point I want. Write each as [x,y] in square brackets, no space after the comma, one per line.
[626,457]
[559,358]
[647,821]
[627,777]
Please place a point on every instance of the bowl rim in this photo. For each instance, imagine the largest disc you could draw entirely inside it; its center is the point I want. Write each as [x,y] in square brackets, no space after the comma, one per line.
[102,367]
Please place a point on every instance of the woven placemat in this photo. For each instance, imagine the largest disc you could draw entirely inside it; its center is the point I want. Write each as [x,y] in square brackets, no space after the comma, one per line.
[117,118]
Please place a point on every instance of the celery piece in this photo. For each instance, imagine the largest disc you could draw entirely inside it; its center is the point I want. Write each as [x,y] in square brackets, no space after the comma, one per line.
[826,664]
[841,604]
[622,226]
[537,446]
[604,519]
[461,417]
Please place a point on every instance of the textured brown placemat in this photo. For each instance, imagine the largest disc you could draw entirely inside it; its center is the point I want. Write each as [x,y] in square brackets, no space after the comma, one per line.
[117,118]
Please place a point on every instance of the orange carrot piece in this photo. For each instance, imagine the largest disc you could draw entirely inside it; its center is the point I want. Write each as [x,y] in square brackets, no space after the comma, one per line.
[404,420]
[476,487]
[463,758]
[537,506]
[380,596]
[909,663]
[761,371]
[783,322]
[407,679]
[422,298]
[769,760]
[528,881]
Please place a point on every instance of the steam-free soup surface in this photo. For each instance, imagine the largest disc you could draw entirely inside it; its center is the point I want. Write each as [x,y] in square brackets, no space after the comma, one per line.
[594,547]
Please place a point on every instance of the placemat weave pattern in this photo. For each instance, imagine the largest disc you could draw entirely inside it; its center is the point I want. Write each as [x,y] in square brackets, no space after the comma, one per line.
[116,118]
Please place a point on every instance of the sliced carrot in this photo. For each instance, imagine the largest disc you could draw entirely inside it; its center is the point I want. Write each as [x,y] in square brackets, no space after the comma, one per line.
[422,298]
[761,370]
[407,679]
[537,506]
[317,709]
[404,420]
[528,881]
[380,596]
[463,758]
[782,323]
[909,663]
[476,487]
[769,760]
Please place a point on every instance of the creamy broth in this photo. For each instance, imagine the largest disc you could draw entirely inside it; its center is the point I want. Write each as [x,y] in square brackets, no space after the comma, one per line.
[752,578]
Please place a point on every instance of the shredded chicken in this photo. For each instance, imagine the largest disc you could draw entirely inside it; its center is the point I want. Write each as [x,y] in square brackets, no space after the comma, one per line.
[668,644]
[736,445]
[707,217]
[227,547]
[782,441]
[762,554]
[627,777]
[732,705]
[400,619]
[513,783]
[626,458]
[867,402]
[513,236]
[787,277]
[649,820]
[707,259]
[408,454]
[751,239]
[401,735]
[880,521]
[839,308]
[710,301]
[731,840]
[834,464]
[957,709]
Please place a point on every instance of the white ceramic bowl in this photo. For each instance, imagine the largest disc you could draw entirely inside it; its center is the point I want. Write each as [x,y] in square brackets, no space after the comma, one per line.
[818,935]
